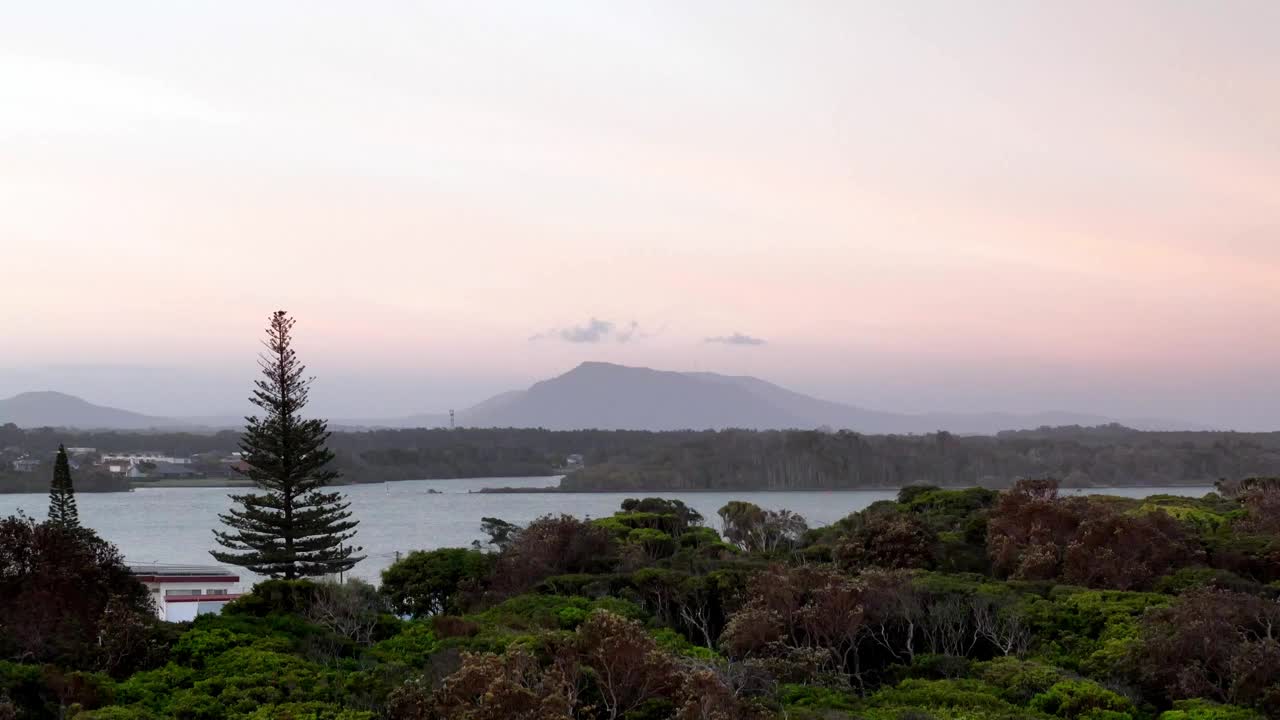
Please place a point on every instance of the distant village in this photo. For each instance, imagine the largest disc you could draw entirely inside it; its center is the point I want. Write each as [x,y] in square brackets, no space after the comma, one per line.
[133,466]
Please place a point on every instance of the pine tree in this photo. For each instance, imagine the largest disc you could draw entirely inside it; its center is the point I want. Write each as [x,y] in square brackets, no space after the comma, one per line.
[291,529]
[62,495]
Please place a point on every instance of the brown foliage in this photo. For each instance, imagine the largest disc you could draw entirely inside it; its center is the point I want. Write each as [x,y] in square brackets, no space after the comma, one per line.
[1215,644]
[1261,499]
[451,626]
[497,687]
[1030,528]
[625,662]
[1127,552]
[705,695]
[551,546]
[411,701]
[815,610]
[65,595]
[890,541]
[1034,534]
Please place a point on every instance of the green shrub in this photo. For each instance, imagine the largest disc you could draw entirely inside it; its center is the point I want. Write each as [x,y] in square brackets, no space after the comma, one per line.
[1197,578]
[412,648]
[815,697]
[199,645]
[571,617]
[307,711]
[1207,710]
[288,597]
[1075,698]
[1018,680]
[428,582]
[116,712]
[972,694]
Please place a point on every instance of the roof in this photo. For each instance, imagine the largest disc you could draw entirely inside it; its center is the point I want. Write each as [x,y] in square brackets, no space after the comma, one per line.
[179,573]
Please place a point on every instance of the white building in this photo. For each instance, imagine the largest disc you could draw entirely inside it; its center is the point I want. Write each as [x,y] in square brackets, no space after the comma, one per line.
[143,457]
[181,592]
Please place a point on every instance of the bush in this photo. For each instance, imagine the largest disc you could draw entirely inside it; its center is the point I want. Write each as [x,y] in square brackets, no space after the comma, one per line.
[815,697]
[1076,698]
[428,582]
[1206,710]
[269,597]
[1018,680]
[928,694]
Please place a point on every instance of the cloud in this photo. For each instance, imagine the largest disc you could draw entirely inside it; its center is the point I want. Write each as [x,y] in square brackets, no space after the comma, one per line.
[593,331]
[633,330]
[736,339]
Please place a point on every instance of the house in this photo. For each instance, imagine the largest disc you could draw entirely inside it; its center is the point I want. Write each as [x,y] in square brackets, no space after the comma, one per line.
[26,465]
[181,592]
[160,471]
[135,458]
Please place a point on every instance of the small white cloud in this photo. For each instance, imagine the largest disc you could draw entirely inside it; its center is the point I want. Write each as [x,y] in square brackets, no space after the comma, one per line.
[593,331]
[736,339]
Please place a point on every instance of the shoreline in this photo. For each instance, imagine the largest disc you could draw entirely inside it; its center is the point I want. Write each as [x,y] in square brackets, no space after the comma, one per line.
[634,491]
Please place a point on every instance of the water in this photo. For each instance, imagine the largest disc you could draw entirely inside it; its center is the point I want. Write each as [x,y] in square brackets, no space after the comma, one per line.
[174,525]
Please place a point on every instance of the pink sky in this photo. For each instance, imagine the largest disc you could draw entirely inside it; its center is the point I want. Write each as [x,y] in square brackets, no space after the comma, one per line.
[916,206]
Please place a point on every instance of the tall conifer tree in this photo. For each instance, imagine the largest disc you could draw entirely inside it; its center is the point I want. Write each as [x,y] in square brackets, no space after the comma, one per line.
[291,529]
[62,495]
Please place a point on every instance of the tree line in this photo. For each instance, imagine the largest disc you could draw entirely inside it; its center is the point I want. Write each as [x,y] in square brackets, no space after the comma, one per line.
[631,461]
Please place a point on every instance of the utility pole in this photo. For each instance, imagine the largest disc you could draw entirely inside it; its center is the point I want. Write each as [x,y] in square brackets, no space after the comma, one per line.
[451,427]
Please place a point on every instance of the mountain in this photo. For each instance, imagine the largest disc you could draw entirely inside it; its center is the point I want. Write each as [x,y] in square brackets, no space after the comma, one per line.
[617,397]
[55,409]
[607,397]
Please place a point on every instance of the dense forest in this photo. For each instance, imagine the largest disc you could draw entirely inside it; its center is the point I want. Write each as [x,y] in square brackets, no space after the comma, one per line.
[1082,457]
[941,605]
[634,461]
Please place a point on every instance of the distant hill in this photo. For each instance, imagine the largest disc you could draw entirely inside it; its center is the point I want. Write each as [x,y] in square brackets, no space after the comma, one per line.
[617,397]
[605,396]
[55,409]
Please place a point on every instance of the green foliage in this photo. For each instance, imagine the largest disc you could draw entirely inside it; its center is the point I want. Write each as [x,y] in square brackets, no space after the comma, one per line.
[943,699]
[285,597]
[655,543]
[290,529]
[116,712]
[799,639]
[815,697]
[1088,631]
[427,582]
[1203,577]
[197,647]
[307,711]
[412,647]
[1078,698]
[1207,710]
[677,644]
[62,493]
[1018,680]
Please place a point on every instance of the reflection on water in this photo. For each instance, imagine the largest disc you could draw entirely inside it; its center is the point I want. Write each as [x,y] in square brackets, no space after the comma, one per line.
[174,525]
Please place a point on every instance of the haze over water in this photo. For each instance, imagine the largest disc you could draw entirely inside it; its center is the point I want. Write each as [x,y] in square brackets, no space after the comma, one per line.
[172,525]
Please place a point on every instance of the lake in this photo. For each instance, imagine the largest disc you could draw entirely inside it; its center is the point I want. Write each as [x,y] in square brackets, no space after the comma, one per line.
[174,525]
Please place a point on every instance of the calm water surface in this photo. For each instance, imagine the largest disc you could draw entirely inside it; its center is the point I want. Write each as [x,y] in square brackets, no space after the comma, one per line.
[174,525]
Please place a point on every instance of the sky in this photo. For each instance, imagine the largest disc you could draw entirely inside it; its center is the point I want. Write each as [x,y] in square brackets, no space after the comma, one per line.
[909,206]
